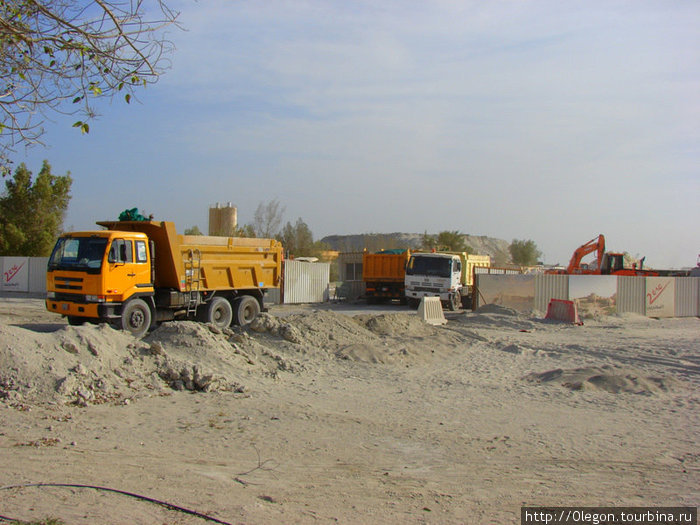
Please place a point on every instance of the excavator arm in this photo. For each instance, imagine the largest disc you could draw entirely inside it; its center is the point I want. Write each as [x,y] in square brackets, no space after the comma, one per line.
[597,244]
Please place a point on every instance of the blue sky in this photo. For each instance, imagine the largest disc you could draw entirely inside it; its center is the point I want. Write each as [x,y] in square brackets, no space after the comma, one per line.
[545,120]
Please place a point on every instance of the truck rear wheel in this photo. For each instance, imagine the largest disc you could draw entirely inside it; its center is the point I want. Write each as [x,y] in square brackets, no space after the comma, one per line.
[245,309]
[219,312]
[136,317]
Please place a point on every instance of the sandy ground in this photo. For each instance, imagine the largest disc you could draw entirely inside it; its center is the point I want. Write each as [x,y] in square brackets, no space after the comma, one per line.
[334,415]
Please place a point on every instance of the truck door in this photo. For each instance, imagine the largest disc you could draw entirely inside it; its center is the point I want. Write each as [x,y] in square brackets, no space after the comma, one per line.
[122,276]
[141,265]
[456,281]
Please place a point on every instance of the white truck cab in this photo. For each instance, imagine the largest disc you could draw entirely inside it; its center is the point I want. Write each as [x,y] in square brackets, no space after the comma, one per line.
[434,275]
[447,275]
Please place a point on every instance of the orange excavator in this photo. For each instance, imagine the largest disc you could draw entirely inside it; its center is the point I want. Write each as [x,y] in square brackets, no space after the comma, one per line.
[608,263]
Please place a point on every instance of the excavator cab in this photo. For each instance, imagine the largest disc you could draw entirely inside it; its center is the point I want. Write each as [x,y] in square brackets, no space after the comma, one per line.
[612,263]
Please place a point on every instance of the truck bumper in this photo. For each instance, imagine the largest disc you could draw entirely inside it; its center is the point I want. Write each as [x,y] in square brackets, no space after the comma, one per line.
[90,310]
[419,295]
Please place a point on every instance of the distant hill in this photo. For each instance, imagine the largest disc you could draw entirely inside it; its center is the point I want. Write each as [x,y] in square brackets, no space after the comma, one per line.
[482,245]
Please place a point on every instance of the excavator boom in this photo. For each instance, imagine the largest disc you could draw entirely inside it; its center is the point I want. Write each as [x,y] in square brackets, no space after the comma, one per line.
[594,245]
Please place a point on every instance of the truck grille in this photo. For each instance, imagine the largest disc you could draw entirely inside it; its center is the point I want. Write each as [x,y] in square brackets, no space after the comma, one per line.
[68,283]
[427,289]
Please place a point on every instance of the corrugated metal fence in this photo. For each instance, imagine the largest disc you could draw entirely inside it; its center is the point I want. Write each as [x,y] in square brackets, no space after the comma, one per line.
[306,282]
[594,294]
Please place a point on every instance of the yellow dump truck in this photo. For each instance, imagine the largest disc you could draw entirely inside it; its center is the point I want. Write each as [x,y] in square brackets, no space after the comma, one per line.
[383,274]
[135,274]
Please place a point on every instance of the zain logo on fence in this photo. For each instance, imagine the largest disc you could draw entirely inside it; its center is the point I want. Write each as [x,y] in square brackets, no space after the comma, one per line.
[656,292]
[12,272]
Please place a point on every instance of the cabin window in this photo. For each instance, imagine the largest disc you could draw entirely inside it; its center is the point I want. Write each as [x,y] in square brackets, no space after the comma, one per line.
[141,254]
[121,252]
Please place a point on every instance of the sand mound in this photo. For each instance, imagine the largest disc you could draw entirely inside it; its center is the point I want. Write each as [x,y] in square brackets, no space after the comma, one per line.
[381,339]
[396,325]
[495,316]
[605,378]
[496,309]
[81,364]
[93,364]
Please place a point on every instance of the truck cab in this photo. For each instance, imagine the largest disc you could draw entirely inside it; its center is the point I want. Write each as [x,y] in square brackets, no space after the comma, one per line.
[90,275]
[434,275]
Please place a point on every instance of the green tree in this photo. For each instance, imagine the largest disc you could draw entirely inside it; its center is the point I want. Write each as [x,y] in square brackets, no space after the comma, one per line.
[428,241]
[452,241]
[61,55]
[524,253]
[246,230]
[297,239]
[194,230]
[31,214]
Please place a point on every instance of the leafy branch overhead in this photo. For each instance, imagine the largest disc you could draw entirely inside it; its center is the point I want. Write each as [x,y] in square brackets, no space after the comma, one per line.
[61,55]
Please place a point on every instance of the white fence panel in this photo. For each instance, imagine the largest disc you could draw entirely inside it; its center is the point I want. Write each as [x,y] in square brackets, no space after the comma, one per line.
[550,287]
[37,274]
[687,296]
[306,282]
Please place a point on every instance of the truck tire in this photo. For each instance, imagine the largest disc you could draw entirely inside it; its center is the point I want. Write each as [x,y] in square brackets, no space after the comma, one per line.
[413,302]
[219,312]
[245,309]
[76,321]
[455,301]
[136,317]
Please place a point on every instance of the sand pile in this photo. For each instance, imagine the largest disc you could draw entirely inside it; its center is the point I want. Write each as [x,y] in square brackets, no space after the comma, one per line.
[493,315]
[380,339]
[82,365]
[605,378]
[93,364]
[396,325]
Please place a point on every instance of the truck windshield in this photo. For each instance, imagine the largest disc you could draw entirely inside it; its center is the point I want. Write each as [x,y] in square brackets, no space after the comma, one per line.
[78,253]
[435,266]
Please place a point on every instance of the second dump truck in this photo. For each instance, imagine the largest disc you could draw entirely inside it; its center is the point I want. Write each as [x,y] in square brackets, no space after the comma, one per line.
[383,274]
[134,274]
[447,275]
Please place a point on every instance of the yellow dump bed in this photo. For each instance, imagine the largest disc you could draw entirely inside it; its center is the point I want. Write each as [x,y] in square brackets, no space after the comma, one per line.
[384,267]
[219,263]
[469,262]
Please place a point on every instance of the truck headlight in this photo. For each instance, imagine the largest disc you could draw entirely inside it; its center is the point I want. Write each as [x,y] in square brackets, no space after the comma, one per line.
[95,298]
[51,295]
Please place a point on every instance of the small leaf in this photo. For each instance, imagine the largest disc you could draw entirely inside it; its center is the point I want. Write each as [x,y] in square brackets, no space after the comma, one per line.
[127,98]
[85,128]
[77,99]
[78,124]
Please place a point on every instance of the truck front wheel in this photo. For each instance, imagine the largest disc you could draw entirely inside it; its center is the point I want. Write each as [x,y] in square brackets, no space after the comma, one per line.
[219,312]
[136,317]
[455,301]
[246,308]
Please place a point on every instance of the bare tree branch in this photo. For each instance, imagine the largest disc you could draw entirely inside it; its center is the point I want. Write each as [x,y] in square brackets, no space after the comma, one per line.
[62,55]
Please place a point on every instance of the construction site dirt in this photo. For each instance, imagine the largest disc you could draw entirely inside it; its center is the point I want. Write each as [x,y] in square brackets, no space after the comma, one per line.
[345,413]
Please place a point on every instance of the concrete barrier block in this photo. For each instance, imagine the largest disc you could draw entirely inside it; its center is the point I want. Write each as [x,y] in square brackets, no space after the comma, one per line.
[430,311]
